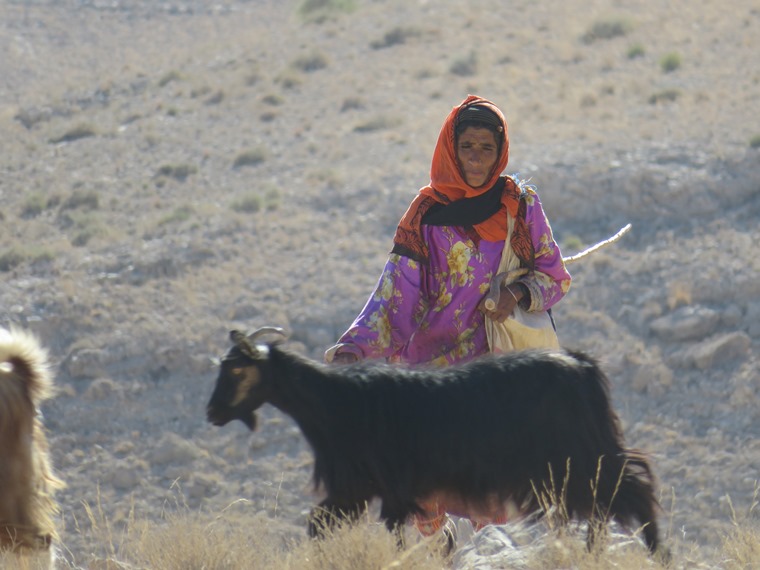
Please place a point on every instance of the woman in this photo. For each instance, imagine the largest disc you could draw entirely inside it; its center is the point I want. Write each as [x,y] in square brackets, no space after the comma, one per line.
[429,305]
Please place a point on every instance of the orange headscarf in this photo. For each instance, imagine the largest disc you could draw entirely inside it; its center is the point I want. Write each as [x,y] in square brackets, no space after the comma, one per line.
[447,184]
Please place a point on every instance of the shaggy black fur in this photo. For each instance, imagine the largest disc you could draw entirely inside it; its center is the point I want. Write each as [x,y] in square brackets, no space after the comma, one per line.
[507,426]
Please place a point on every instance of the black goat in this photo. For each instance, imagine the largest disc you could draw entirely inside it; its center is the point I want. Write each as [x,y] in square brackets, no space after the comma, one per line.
[513,429]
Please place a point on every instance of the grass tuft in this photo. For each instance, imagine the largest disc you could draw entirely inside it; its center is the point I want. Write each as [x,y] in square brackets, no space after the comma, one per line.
[319,11]
[664,96]
[607,30]
[670,62]
[75,133]
[250,157]
[178,172]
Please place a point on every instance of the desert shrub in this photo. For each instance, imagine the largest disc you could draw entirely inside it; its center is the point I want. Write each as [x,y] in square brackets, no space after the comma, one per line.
[606,30]
[16,255]
[289,80]
[310,62]
[77,132]
[754,142]
[252,78]
[377,123]
[350,103]
[465,66]
[395,36]
[30,117]
[273,99]
[268,199]
[272,196]
[169,77]
[664,96]
[250,157]
[11,258]
[588,100]
[320,10]
[84,226]
[215,99]
[34,205]
[177,216]
[670,62]
[177,171]
[249,204]
[81,199]
[636,50]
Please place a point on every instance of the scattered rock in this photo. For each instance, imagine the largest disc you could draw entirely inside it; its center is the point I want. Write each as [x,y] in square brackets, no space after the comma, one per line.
[173,449]
[686,323]
[713,351]
[86,363]
[101,389]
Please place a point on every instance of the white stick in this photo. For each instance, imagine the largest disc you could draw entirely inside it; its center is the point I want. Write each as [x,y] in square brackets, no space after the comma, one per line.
[492,298]
[601,244]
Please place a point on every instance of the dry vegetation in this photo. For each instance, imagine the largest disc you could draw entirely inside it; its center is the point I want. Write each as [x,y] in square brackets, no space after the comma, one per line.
[174,170]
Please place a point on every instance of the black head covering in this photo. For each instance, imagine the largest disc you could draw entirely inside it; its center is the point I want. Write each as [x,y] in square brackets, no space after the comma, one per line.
[479,114]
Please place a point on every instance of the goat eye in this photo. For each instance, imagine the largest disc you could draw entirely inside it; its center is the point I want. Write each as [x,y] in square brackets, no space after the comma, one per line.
[237,372]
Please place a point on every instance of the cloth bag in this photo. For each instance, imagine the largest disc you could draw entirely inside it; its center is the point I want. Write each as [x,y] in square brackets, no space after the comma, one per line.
[524,329]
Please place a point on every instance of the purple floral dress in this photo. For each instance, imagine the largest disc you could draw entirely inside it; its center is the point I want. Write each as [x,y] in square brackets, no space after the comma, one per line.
[428,314]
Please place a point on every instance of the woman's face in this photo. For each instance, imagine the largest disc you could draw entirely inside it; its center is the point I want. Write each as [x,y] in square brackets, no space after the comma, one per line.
[477,153]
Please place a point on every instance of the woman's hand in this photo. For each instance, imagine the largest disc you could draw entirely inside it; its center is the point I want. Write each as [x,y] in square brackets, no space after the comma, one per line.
[345,358]
[509,297]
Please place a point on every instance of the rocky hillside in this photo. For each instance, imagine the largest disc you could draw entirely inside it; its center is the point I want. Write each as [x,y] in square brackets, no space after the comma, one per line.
[173,170]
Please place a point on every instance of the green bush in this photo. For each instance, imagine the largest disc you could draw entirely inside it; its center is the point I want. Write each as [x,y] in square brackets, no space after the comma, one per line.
[169,77]
[670,62]
[352,103]
[254,202]
[606,30]
[179,215]
[81,199]
[636,50]
[396,36]
[310,62]
[15,256]
[274,100]
[754,142]
[289,79]
[250,157]
[321,10]
[34,205]
[664,96]
[177,171]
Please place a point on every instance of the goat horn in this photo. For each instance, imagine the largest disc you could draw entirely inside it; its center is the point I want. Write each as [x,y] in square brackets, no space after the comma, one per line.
[266,330]
[242,342]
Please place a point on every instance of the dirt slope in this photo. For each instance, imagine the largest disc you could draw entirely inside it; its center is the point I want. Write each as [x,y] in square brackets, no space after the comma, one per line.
[172,170]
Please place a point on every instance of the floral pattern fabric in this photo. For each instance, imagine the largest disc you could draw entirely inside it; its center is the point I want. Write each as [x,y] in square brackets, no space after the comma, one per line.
[428,313]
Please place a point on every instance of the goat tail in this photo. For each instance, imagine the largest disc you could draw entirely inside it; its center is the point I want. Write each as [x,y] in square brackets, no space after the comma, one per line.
[635,498]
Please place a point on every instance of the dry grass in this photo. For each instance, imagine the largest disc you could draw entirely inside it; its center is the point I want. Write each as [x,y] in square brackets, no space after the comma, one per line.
[237,539]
